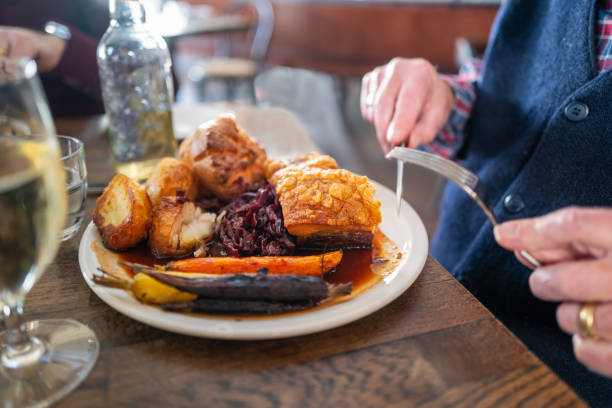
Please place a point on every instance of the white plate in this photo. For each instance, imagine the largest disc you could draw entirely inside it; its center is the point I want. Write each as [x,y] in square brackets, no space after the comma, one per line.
[407,231]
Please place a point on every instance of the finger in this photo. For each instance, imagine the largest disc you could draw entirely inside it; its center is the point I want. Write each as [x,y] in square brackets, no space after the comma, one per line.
[596,355]
[408,107]
[378,75]
[578,228]
[580,281]
[20,46]
[567,317]
[4,43]
[363,99]
[421,133]
[370,95]
[374,82]
[363,94]
[369,87]
[435,113]
[13,46]
[433,117]
[386,100]
[387,147]
[417,101]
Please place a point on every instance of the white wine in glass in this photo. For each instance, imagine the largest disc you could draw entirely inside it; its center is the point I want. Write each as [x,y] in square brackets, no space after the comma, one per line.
[40,361]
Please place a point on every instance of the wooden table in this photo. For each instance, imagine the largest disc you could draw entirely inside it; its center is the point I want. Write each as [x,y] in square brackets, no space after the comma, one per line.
[434,346]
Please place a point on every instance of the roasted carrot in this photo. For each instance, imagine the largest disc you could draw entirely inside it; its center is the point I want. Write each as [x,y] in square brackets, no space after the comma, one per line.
[311,265]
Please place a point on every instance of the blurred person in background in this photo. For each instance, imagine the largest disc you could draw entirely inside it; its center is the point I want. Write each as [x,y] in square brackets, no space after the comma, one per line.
[62,37]
[534,121]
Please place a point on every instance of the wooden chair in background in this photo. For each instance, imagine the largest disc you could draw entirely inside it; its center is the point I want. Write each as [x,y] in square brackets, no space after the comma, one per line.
[227,77]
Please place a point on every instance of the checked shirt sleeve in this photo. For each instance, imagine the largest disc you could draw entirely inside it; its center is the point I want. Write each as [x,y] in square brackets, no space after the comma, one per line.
[604,35]
[449,140]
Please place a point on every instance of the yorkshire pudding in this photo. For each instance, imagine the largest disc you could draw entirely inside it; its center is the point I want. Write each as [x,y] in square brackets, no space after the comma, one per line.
[226,161]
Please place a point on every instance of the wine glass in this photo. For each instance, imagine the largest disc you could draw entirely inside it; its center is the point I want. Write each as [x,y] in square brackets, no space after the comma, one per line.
[40,361]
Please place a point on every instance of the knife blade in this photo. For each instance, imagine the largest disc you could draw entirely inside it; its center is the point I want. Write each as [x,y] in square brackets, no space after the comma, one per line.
[399,187]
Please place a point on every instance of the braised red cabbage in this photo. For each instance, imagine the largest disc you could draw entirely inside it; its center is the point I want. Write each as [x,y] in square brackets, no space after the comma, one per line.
[252,225]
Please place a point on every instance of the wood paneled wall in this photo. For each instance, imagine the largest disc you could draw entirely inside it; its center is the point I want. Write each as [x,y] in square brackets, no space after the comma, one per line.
[350,38]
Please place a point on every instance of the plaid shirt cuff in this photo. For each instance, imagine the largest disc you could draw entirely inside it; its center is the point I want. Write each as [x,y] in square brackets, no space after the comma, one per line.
[450,139]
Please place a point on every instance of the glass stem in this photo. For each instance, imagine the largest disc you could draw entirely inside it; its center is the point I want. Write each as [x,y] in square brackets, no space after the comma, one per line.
[16,333]
[21,349]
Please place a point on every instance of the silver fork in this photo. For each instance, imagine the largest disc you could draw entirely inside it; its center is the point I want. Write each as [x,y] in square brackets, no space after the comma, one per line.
[459,175]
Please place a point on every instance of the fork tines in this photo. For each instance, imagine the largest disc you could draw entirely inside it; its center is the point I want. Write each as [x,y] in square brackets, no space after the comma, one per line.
[440,165]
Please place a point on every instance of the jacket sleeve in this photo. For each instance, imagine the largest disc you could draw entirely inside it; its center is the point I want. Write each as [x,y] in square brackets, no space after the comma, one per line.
[450,139]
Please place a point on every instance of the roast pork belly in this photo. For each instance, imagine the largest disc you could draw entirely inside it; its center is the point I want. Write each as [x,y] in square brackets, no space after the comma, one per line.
[310,160]
[327,207]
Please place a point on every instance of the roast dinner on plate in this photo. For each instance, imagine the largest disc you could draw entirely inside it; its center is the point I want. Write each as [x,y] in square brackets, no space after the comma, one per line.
[225,230]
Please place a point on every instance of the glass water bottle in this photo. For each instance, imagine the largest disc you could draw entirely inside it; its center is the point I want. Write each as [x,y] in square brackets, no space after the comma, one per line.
[135,73]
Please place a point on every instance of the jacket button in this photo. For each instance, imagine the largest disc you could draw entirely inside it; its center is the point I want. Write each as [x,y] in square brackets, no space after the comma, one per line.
[513,203]
[576,111]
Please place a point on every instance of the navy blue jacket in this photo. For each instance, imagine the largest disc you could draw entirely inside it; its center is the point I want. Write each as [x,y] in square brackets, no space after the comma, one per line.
[540,138]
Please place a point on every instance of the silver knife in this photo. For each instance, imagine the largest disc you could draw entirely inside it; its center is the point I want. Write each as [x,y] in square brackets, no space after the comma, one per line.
[399,183]
[399,186]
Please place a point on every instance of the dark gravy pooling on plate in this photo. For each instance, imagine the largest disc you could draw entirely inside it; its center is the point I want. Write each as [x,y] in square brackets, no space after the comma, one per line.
[363,267]
[355,265]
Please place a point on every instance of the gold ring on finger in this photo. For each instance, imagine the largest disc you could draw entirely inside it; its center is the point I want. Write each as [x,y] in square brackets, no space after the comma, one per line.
[586,320]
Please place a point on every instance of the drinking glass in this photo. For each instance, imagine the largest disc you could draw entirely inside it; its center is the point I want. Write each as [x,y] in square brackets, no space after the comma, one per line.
[73,161]
[40,361]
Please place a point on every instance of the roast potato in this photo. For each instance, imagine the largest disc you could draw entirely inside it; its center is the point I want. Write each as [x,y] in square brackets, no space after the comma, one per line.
[179,227]
[123,213]
[169,178]
[226,161]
